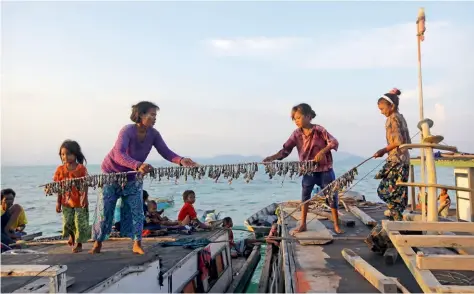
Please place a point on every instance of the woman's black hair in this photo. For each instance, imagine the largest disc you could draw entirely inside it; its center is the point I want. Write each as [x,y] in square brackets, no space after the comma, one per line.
[74,148]
[304,109]
[141,108]
[393,95]
[145,195]
[7,191]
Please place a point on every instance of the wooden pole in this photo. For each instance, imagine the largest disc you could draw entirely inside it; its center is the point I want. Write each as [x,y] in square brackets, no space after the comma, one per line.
[412,189]
[420,100]
[425,125]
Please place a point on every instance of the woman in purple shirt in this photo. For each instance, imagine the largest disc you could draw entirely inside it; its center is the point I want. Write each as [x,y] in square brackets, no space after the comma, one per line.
[130,152]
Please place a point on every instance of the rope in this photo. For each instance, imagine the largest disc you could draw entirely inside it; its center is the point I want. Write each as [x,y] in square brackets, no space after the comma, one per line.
[302,165]
[326,188]
[319,193]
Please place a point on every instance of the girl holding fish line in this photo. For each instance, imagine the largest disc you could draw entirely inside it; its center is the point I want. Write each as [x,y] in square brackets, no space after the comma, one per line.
[313,142]
[397,166]
[129,153]
[73,204]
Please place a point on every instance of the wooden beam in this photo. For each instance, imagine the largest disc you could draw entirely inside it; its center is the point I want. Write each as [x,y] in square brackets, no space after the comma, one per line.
[377,279]
[454,289]
[445,262]
[365,218]
[434,241]
[435,186]
[425,278]
[465,227]
[425,145]
[32,270]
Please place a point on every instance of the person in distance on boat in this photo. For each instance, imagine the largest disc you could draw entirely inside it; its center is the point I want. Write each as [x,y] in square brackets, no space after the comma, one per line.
[74,205]
[13,217]
[444,202]
[241,247]
[187,214]
[398,162]
[129,154]
[313,142]
[153,217]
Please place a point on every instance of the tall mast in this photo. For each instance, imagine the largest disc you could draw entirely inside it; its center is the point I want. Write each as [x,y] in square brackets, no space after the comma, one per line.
[420,27]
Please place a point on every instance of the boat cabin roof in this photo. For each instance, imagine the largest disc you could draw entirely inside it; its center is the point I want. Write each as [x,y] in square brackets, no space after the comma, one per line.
[90,270]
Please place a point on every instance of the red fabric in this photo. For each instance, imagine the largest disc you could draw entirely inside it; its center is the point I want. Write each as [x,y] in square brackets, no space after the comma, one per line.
[231,238]
[187,209]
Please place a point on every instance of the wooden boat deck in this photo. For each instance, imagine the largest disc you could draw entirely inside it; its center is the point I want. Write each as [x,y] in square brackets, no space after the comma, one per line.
[323,269]
[89,270]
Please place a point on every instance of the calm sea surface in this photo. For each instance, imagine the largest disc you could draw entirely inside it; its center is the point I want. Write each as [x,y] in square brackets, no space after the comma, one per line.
[238,200]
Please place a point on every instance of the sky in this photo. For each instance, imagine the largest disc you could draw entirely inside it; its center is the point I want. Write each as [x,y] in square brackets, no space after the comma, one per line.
[226,74]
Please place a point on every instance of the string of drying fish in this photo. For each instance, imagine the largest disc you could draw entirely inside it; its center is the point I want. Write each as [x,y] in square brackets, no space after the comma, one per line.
[227,171]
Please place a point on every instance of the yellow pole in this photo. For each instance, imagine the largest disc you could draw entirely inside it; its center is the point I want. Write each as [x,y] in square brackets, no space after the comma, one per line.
[423,199]
[425,125]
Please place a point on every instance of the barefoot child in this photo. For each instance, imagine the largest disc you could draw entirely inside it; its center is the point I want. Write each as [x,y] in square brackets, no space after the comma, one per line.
[187,215]
[397,166]
[74,204]
[313,142]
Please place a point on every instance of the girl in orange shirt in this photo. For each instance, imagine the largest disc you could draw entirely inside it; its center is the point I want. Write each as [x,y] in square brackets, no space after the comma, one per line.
[74,204]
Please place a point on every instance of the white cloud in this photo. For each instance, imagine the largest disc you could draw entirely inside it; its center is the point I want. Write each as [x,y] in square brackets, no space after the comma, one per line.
[257,46]
[388,47]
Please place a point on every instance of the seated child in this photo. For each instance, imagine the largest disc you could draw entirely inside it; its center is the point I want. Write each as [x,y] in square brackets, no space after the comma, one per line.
[444,203]
[154,217]
[242,247]
[187,215]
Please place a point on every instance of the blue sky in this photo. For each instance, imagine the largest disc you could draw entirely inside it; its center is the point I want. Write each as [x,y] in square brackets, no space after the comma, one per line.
[226,74]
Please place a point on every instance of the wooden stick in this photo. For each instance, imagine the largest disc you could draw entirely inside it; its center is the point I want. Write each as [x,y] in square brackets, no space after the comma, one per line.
[365,218]
[383,283]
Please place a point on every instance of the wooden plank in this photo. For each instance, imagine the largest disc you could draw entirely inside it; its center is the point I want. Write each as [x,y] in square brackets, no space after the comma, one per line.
[435,186]
[317,232]
[465,227]
[454,289]
[383,283]
[266,270]
[365,218]
[425,278]
[434,241]
[426,145]
[41,285]
[297,215]
[32,270]
[30,237]
[445,262]
[343,220]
